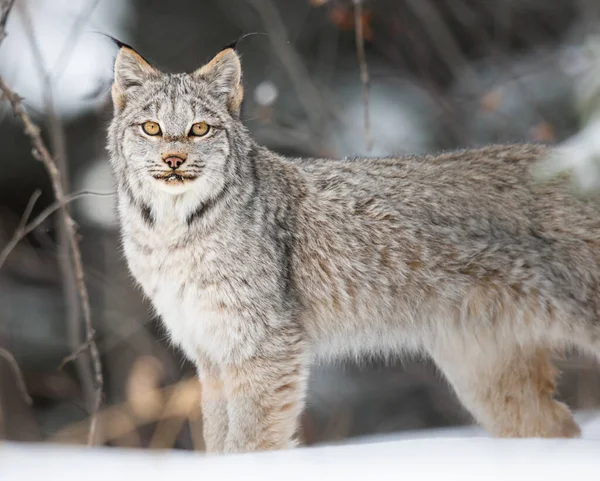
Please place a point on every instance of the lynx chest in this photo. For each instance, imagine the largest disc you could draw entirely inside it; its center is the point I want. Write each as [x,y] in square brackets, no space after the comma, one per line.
[180,282]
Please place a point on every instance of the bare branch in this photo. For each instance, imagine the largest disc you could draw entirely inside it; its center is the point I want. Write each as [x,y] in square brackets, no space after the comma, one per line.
[313,102]
[5,7]
[364,70]
[17,235]
[41,153]
[75,291]
[12,362]
[28,210]
[25,228]
[83,347]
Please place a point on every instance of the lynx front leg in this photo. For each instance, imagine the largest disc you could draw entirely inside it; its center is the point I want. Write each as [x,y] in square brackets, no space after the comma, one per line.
[265,399]
[214,410]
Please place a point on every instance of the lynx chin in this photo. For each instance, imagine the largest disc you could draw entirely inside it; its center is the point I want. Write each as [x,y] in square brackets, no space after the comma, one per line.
[259,264]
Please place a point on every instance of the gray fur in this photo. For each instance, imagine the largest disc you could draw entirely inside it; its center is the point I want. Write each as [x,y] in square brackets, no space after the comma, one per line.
[264,263]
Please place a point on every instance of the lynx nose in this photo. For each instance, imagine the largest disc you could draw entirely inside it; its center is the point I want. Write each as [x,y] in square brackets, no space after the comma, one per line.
[175,161]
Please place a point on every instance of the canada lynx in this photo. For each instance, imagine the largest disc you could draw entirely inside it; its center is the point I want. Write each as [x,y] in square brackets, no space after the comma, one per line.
[258,264]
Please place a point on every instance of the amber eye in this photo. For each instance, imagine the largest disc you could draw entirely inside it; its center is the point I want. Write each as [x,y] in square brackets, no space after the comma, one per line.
[200,129]
[151,128]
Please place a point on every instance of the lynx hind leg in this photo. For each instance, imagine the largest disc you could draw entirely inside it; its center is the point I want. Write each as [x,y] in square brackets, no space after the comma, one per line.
[509,393]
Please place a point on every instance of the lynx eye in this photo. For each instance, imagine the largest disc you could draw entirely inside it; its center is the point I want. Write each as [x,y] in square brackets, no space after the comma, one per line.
[200,129]
[151,128]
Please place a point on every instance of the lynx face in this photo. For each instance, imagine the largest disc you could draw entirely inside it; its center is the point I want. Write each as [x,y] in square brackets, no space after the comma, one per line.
[171,130]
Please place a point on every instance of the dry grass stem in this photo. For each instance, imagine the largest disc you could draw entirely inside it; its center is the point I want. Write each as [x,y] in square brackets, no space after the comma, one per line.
[12,362]
[364,70]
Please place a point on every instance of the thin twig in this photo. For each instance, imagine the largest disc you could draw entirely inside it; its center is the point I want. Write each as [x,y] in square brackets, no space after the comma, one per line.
[28,210]
[364,70]
[71,40]
[76,296]
[312,100]
[26,228]
[5,8]
[58,147]
[12,362]
[41,153]
[83,347]
[22,224]
[441,36]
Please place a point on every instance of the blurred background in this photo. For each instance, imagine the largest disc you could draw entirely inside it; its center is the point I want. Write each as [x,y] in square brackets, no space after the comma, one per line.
[443,74]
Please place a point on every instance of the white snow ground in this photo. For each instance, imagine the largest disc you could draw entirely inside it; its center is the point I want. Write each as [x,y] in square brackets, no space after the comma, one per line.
[449,454]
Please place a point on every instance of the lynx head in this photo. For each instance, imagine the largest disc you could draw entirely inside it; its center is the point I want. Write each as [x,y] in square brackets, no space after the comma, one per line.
[171,133]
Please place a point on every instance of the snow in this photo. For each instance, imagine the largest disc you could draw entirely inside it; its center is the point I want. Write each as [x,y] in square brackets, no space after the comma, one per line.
[423,459]
[448,454]
[579,155]
[589,421]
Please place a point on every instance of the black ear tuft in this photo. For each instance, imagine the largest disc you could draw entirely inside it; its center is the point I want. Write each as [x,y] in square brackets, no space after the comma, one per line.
[114,40]
[233,45]
[118,42]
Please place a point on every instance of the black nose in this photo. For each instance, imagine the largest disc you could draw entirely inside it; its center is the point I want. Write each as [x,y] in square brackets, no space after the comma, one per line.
[174,161]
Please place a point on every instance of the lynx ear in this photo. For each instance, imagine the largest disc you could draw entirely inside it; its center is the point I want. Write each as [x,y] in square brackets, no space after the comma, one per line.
[131,71]
[224,74]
